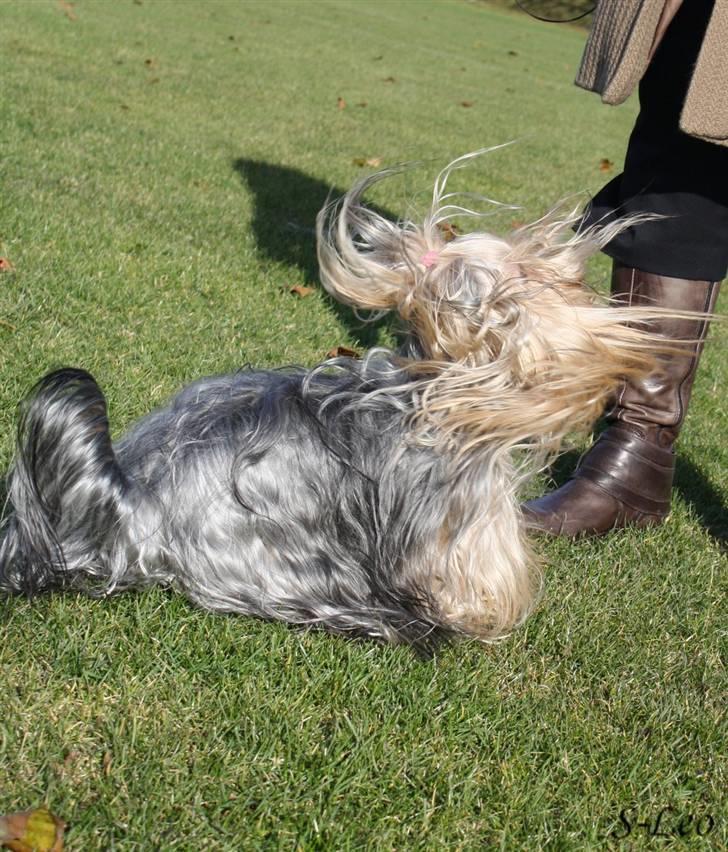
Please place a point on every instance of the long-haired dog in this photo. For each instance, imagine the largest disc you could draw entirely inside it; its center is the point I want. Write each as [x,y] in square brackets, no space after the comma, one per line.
[376,497]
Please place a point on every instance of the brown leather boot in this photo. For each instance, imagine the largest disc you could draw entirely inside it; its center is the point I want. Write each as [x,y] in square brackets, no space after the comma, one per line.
[626,477]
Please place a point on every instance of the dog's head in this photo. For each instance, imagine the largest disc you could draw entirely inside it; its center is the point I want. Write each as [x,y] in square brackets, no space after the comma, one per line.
[514,344]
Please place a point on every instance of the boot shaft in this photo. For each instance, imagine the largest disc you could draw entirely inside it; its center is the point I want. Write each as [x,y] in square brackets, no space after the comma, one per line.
[654,407]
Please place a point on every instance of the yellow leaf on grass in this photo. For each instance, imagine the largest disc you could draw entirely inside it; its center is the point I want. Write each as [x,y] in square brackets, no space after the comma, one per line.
[67,9]
[374,162]
[342,352]
[447,230]
[301,291]
[32,831]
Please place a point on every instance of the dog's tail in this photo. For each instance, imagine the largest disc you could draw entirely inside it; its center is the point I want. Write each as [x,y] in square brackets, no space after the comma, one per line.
[65,490]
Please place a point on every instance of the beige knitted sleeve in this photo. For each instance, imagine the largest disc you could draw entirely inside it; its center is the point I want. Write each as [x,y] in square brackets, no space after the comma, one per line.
[705,113]
[618,50]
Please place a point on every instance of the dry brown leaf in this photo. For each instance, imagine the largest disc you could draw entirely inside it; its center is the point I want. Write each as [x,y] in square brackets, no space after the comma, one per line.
[37,830]
[342,352]
[448,230]
[5,265]
[71,757]
[67,9]
[389,80]
[466,103]
[363,103]
[374,162]
[301,290]
[605,165]
[340,103]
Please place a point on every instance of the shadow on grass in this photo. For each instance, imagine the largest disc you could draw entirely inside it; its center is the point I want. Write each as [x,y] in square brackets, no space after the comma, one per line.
[705,501]
[562,468]
[286,202]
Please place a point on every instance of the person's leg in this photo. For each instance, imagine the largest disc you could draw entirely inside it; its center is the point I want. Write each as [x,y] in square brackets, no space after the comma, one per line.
[626,477]
[675,262]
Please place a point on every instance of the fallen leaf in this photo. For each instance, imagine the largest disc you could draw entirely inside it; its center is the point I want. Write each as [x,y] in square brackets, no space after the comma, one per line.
[71,757]
[342,352]
[389,80]
[466,103]
[362,104]
[32,831]
[301,291]
[448,230]
[341,103]
[5,265]
[374,162]
[605,165]
[67,9]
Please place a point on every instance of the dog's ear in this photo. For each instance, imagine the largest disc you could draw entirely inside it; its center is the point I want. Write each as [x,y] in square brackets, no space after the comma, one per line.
[366,261]
[512,400]
[436,286]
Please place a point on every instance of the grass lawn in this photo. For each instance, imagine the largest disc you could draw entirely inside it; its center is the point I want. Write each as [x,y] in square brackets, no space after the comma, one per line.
[161,164]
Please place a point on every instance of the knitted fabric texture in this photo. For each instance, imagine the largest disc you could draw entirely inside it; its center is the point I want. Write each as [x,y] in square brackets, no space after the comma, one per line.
[619,48]
[705,113]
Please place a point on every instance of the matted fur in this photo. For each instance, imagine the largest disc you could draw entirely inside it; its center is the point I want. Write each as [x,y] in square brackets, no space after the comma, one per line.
[375,497]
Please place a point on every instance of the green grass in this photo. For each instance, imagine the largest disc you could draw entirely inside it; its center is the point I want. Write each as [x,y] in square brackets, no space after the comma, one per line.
[161,166]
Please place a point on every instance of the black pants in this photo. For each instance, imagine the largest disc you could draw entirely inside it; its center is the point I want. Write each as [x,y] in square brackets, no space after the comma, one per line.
[670,173]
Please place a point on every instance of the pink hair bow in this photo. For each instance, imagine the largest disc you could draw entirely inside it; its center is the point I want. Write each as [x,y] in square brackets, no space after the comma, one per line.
[430,258]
